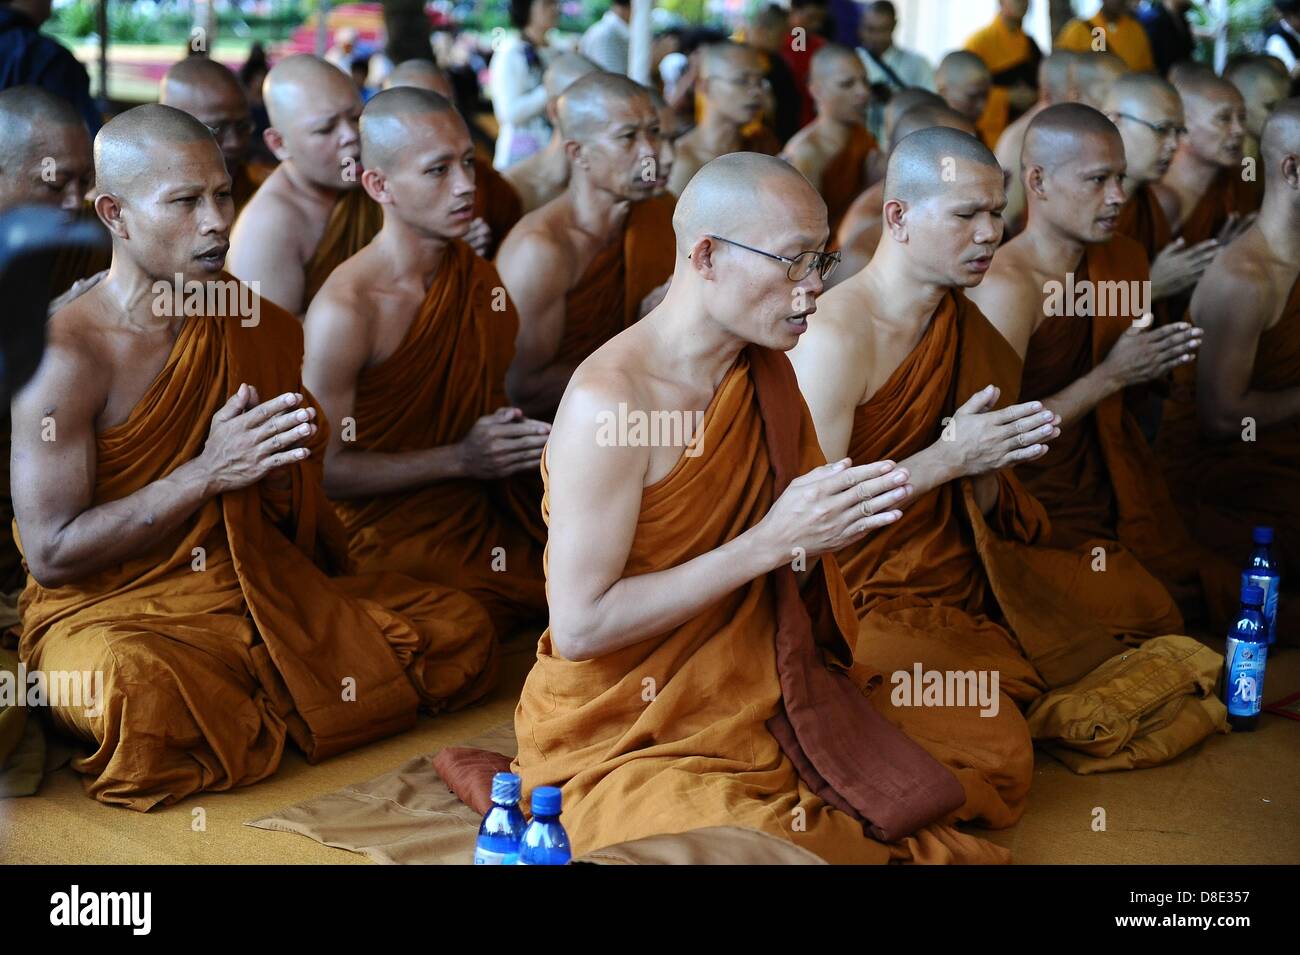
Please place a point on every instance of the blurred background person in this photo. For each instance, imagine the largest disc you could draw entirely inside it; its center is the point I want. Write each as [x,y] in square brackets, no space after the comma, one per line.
[515,81]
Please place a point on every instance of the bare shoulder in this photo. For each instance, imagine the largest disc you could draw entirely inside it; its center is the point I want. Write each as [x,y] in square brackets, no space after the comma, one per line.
[537,250]
[1237,286]
[72,370]
[1010,297]
[272,224]
[340,307]
[600,385]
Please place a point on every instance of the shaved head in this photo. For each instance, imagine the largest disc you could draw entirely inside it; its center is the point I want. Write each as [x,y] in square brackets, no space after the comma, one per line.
[717,58]
[197,77]
[904,100]
[1056,75]
[214,96]
[1215,115]
[132,146]
[927,115]
[1054,135]
[565,70]
[584,110]
[739,196]
[1133,89]
[422,74]
[1094,74]
[960,66]
[826,61]
[386,118]
[1280,144]
[1262,89]
[44,150]
[299,82]
[921,165]
[1149,115]
[965,82]
[314,109]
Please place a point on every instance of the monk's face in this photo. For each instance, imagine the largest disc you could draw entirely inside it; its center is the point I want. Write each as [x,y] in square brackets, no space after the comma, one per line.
[430,182]
[968,94]
[671,129]
[622,157]
[1082,192]
[1216,126]
[951,235]
[223,108]
[54,169]
[1149,151]
[1260,99]
[321,137]
[175,216]
[842,91]
[734,87]
[1014,9]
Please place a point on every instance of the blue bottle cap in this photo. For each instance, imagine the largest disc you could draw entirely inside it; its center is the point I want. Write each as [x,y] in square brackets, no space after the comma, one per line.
[1262,535]
[546,800]
[505,788]
[1251,594]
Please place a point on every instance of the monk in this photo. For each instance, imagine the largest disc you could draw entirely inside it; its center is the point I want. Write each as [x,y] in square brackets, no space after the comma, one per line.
[671,130]
[730,92]
[1262,87]
[834,151]
[859,233]
[675,687]
[1056,84]
[1112,29]
[964,82]
[310,214]
[1149,115]
[407,355]
[187,551]
[901,365]
[1099,482]
[1094,75]
[541,177]
[579,268]
[1231,450]
[497,204]
[899,103]
[214,96]
[1014,61]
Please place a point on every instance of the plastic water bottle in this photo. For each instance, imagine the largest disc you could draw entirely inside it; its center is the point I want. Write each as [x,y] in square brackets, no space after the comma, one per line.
[545,842]
[1244,660]
[1263,572]
[498,836]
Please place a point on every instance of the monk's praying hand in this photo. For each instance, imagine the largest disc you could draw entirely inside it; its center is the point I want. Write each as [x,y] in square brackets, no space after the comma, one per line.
[983,441]
[1144,354]
[247,440]
[503,443]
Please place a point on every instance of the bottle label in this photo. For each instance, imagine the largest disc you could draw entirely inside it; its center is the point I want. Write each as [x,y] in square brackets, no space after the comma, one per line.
[488,857]
[1244,666]
[1269,584]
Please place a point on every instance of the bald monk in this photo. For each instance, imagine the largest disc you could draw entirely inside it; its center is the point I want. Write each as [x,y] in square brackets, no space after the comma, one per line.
[671,130]
[310,214]
[187,550]
[579,267]
[405,349]
[1099,482]
[964,82]
[1056,84]
[730,91]
[902,101]
[834,151]
[1232,450]
[214,96]
[1014,62]
[541,177]
[1149,115]
[900,364]
[859,233]
[1262,87]
[1094,75]
[675,687]
[497,204]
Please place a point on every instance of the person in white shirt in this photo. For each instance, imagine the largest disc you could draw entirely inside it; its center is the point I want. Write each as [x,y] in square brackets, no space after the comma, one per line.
[605,42]
[515,82]
[889,68]
[1284,36]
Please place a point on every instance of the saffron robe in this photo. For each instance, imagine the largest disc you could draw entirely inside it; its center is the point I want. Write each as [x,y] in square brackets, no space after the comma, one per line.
[845,176]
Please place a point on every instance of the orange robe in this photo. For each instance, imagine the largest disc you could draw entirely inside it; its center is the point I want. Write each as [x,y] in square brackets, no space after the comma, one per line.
[1224,488]
[845,176]
[759,139]
[713,722]
[1227,194]
[495,201]
[1143,219]
[448,372]
[607,298]
[1125,37]
[1011,56]
[234,632]
[951,589]
[1100,482]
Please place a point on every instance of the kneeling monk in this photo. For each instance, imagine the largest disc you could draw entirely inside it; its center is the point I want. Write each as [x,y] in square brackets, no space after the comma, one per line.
[177,535]
[408,344]
[698,667]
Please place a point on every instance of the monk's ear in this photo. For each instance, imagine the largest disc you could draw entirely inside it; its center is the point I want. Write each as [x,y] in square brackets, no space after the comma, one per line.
[895,219]
[1291,170]
[376,185]
[275,142]
[701,256]
[573,152]
[109,209]
[1034,177]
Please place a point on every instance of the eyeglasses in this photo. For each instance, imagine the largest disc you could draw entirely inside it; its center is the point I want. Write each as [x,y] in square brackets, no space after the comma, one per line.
[1162,130]
[798,268]
[243,128]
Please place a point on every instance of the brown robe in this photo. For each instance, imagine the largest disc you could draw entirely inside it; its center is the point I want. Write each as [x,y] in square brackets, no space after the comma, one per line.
[234,631]
[845,176]
[448,372]
[1227,194]
[739,716]
[1143,219]
[1100,481]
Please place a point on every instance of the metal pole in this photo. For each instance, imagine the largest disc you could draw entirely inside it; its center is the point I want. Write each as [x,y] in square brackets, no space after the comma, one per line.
[322,32]
[638,53]
[102,27]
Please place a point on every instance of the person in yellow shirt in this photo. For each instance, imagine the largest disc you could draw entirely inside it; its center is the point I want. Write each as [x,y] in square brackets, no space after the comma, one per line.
[1122,34]
[1012,58]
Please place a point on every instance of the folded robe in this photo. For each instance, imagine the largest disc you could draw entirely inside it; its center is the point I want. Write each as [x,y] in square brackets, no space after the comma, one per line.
[1224,488]
[1100,482]
[448,371]
[951,590]
[231,632]
[680,731]
[845,176]
[1143,219]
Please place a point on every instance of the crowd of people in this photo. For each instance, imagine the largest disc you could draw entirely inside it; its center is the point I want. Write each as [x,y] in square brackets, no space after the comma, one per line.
[309,505]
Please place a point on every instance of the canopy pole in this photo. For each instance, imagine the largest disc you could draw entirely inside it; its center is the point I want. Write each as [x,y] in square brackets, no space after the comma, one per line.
[638,53]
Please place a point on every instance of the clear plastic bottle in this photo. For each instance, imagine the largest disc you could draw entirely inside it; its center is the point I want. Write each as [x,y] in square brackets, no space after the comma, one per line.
[503,826]
[1244,660]
[545,842]
[1262,571]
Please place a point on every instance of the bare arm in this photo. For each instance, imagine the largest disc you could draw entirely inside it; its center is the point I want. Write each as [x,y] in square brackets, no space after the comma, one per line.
[1233,310]
[595,496]
[64,537]
[536,276]
[266,248]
